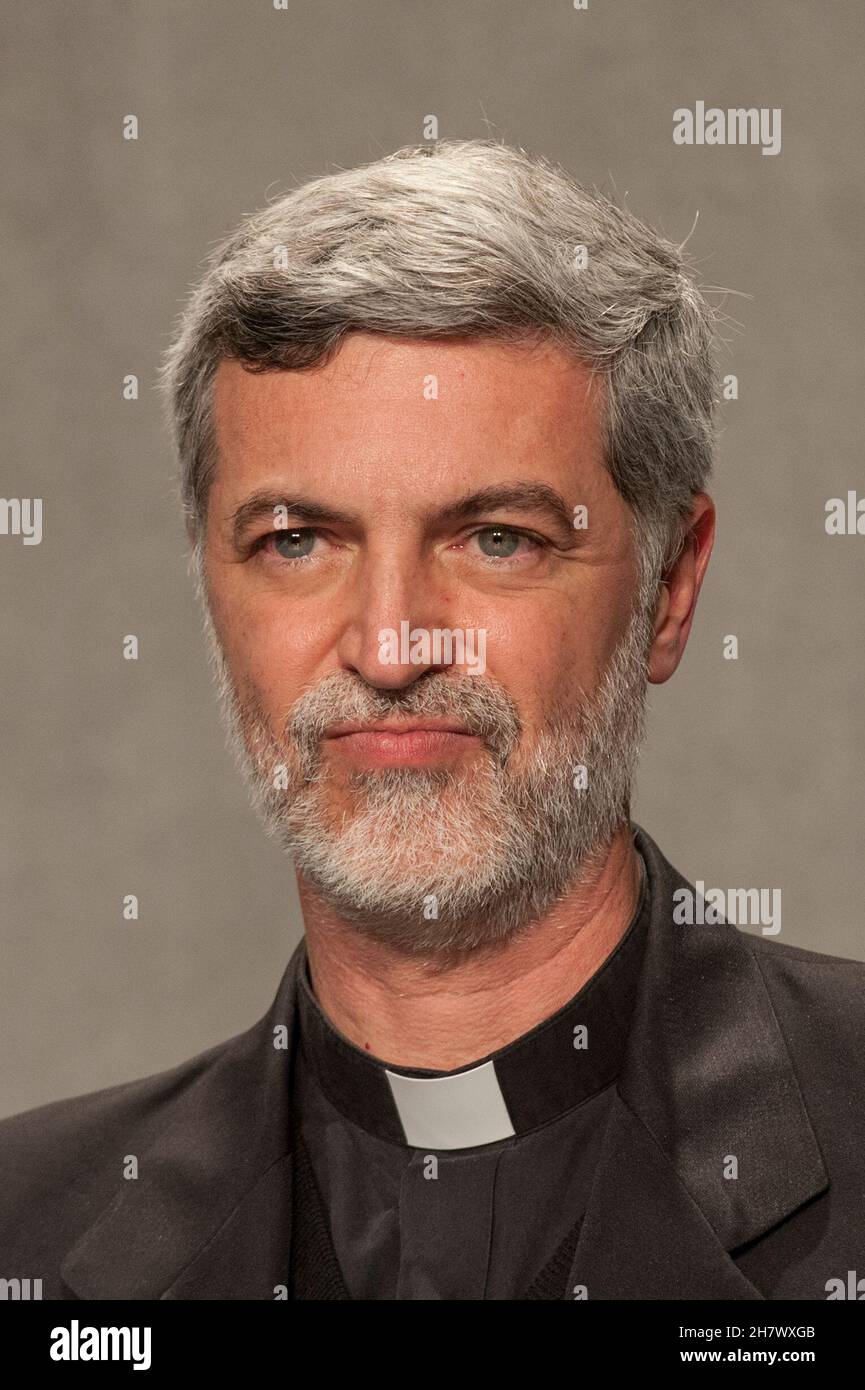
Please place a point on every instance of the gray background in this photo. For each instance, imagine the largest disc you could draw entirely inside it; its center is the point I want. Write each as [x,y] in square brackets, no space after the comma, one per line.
[115,779]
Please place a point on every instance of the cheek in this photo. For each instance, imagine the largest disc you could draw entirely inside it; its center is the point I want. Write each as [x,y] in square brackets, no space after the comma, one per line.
[268,649]
[548,664]
[542,648]
[533,657]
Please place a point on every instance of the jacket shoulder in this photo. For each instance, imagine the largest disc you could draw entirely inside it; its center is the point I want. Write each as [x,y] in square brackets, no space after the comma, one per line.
[60,1163]
[776,953]
[814,994]
[96,1112]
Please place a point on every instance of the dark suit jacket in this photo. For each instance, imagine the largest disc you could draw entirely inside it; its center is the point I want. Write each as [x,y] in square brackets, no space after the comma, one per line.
[740,1047]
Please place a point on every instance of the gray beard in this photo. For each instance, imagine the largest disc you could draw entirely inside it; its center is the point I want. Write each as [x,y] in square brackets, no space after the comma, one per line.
[436,863]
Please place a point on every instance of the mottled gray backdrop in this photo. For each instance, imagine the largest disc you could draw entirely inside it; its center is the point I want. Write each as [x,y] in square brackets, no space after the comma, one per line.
[115,778]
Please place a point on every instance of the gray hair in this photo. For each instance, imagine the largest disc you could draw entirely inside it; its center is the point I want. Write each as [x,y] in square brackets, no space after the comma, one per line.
[465,238]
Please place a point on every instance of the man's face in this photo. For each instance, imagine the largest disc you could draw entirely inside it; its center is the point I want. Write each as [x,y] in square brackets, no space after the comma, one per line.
[433,485]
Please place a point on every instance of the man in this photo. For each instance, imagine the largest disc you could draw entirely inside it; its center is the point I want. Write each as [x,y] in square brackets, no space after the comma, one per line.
[445,424]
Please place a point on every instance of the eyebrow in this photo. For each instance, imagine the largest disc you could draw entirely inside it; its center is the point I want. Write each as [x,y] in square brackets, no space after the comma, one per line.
[265,504]
[520,496]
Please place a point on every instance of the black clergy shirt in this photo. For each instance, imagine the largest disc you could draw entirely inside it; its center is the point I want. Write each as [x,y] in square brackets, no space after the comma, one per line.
[468,1184]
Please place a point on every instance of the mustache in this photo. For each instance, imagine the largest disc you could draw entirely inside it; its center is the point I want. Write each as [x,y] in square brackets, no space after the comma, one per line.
[483,707]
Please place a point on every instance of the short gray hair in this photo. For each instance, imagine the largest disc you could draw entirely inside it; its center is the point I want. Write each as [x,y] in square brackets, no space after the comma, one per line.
[465,238]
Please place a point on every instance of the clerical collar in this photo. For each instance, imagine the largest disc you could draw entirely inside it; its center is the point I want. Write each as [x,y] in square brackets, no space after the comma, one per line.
[561,1062]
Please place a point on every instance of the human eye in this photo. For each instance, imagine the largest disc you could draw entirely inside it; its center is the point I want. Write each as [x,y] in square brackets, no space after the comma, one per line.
[292,544]
[507,546]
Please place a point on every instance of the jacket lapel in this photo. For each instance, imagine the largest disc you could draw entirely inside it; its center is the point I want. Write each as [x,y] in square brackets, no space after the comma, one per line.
[209,1215]
[707,1089]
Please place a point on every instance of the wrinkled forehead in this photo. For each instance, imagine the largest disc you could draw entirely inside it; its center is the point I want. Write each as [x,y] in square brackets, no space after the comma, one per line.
[389,418]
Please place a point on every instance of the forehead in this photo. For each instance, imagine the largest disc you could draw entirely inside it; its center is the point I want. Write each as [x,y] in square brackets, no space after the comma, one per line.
[477,408]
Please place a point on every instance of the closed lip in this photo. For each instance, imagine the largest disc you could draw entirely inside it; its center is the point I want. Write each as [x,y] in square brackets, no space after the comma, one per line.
[401,726]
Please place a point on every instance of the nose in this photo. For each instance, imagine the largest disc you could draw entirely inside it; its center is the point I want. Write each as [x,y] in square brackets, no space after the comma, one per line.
[395,602]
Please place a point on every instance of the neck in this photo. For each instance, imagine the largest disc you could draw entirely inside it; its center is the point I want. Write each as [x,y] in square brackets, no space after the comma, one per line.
[412,1013]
